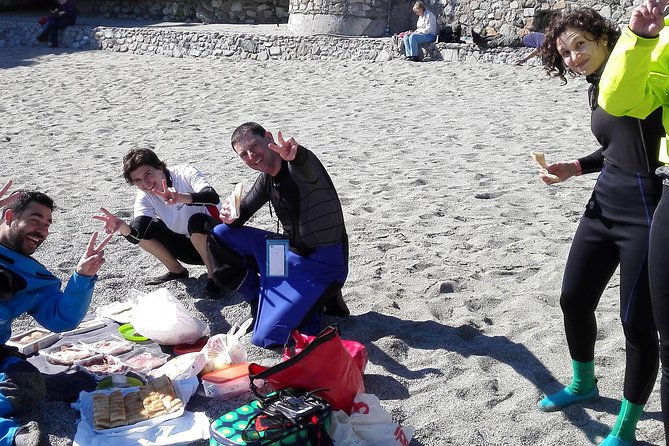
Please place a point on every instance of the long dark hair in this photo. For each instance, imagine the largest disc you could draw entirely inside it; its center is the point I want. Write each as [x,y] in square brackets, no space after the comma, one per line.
[583,19]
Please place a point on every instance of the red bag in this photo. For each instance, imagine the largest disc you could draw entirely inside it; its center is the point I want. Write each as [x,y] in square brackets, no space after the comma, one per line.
[357,350]
[43,20]
[322,364]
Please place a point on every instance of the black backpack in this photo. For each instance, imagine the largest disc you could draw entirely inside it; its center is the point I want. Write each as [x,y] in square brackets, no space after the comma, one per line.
[450,34]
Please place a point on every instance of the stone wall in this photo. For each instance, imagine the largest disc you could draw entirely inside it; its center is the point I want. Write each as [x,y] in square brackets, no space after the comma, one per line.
[243,46]
[205,11]
[510,16]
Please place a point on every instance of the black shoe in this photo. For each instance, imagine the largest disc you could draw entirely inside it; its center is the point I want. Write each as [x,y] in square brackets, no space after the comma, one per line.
[41,38]
[479,40]
[336,306]
[168,277]
[212,290]
[52,45]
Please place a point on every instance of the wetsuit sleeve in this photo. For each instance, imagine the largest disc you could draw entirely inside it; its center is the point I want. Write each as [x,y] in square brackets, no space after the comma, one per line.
[593,162]
[61,311]
[206,196]
[305,165]
[636,78]
[138,228]
[203,194]
[257,196]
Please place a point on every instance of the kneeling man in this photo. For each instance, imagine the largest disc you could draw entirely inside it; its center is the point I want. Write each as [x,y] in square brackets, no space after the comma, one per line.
[286,278]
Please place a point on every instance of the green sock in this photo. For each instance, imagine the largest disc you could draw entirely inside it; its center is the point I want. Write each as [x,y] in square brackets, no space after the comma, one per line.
[628,417]
[583,380]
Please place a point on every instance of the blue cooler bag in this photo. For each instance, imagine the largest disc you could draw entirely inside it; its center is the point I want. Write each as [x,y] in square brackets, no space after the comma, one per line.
[288,417]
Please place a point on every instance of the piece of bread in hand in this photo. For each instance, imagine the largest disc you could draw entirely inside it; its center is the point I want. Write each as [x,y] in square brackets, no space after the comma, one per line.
[236,200]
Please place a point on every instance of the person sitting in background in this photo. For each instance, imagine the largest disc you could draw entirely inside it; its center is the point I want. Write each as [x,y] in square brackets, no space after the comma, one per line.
[526,38]
[26,286]
[175,208]
[426,32]
[61,17]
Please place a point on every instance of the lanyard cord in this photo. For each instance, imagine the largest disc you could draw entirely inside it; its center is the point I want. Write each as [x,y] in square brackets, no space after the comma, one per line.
[269,202]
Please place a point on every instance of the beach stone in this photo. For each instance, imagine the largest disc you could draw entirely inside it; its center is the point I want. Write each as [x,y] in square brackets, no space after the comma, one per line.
[446,287]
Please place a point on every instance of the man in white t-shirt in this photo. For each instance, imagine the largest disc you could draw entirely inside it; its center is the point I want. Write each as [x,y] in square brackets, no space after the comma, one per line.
[175,209]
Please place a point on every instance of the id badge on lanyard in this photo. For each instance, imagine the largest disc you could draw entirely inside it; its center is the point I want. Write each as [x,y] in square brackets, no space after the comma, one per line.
[277,256]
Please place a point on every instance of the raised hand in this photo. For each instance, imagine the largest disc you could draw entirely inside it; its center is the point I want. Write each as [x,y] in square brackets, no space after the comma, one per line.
[112,222]
[93,258]
[11,198]
[648,19]
[169,195]
[286,149]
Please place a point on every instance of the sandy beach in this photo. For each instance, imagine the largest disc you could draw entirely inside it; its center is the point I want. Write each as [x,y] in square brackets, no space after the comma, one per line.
[457,248]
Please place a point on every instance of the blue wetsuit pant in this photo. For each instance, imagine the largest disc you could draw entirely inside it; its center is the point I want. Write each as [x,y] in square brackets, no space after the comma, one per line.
[283,303]
[615,230]
[659,285]
[8,367]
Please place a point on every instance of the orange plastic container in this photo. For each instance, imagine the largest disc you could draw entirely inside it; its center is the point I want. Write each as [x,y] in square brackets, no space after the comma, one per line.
[228,383]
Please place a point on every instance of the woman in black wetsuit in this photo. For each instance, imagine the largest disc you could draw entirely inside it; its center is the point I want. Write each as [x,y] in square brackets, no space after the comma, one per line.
[614,229]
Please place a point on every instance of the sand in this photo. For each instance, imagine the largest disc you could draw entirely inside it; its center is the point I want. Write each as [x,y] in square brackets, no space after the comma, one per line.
[457,249]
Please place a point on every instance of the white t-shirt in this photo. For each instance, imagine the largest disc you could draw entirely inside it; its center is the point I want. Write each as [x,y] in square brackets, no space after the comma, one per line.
[185,179]
[426,24]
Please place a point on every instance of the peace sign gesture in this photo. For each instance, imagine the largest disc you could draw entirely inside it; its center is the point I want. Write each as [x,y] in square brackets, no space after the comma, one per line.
[111,221]
[648,19]
[11,198]
[168,194]
[286,149]
[93,258]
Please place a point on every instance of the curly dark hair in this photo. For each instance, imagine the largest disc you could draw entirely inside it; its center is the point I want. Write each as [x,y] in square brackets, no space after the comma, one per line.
[583,19]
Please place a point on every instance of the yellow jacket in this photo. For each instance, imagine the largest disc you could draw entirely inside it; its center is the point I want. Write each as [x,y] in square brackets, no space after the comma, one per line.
[635,80]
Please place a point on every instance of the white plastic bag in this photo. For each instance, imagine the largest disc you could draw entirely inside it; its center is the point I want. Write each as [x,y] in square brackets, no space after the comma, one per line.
[341,431]
[374,425]
[162,318]
[224,350]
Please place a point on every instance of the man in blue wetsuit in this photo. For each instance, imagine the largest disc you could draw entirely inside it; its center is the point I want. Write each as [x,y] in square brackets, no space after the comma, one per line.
[26,286]
[287,278]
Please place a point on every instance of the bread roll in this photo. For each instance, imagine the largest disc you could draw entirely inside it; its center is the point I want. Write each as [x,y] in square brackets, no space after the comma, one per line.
[134,408]
[101,411]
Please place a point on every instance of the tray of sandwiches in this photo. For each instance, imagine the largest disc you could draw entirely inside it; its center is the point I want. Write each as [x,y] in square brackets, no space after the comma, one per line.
[120,410]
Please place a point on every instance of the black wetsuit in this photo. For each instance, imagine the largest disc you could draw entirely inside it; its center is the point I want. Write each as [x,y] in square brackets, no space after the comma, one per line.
[659,282]
[615,230]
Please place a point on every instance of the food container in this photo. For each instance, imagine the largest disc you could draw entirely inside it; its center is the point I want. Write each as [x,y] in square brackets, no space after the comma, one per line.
[101,366]
[144,360]
[28,342]
[181,367]
[121,381]
[67,354]
[128,332]
[182,349]
[228,383]
[112,346]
